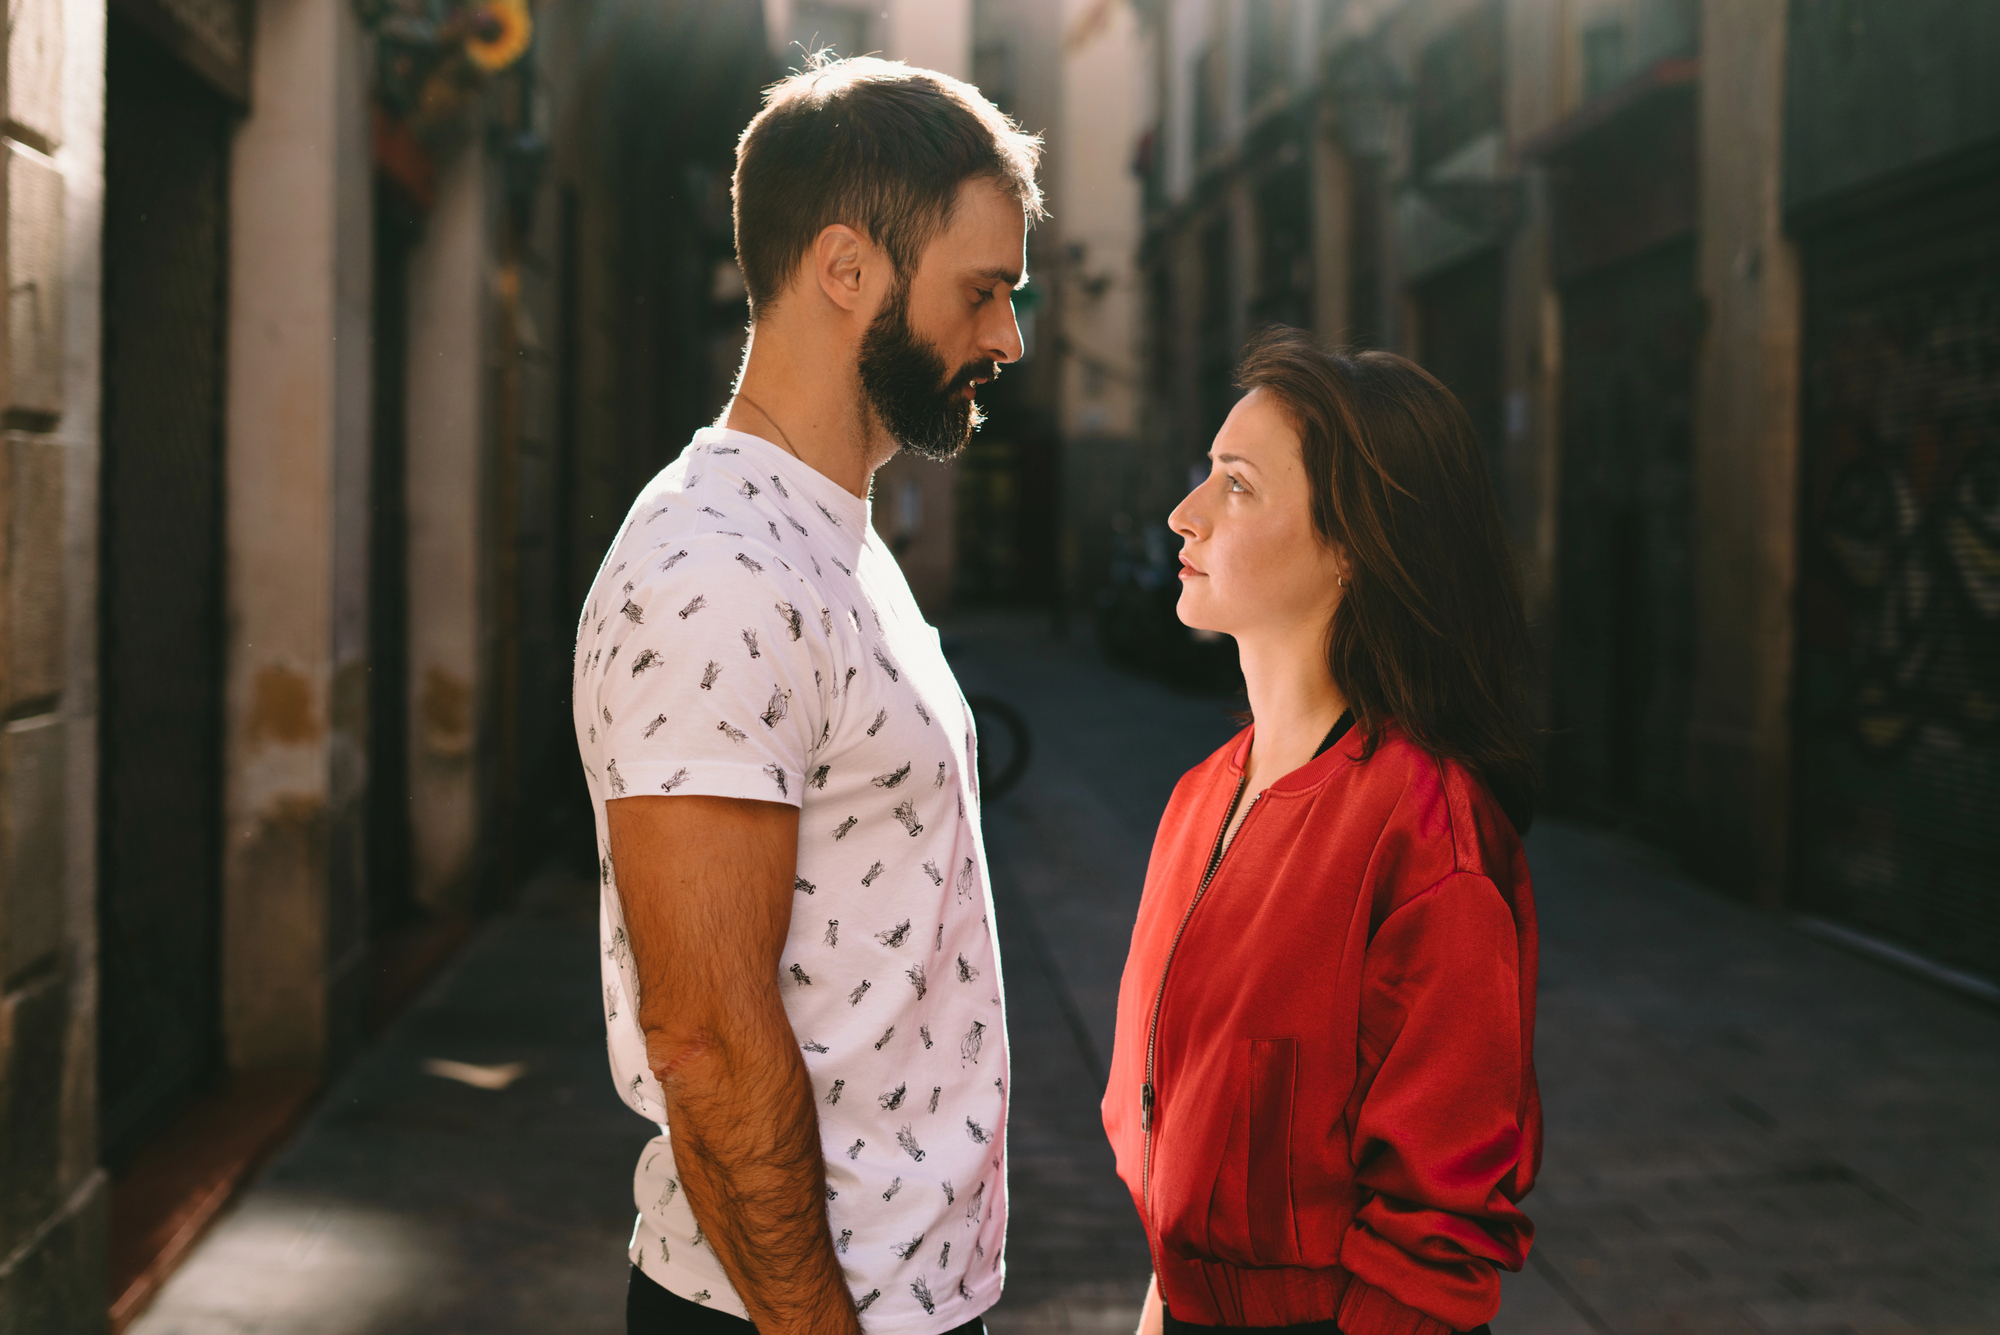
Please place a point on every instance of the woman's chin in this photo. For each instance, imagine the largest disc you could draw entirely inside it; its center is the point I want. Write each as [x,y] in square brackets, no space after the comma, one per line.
[1192,616]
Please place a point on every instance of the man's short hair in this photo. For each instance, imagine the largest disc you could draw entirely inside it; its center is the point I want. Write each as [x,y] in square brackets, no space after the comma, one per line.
[876,145]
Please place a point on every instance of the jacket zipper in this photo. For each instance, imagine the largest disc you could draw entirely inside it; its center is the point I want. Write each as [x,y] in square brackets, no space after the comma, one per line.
[1153,1027]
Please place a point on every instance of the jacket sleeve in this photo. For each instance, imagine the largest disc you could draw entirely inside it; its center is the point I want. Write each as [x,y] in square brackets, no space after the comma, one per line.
[1437,1131]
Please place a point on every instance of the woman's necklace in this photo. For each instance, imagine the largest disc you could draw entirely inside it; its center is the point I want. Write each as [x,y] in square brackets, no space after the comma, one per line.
[782,437]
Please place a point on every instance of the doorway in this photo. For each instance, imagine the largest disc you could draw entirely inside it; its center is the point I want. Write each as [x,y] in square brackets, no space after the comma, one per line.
[166,211]
[1625,624]
[398,222]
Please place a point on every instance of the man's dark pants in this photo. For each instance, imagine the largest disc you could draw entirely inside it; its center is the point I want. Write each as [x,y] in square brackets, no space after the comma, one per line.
[652,1310]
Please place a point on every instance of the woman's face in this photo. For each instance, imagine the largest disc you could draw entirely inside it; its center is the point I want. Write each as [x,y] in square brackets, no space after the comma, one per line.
[1251,563]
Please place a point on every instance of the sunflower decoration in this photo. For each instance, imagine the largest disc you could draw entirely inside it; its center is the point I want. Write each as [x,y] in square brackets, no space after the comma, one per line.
[432,57]
[498,33]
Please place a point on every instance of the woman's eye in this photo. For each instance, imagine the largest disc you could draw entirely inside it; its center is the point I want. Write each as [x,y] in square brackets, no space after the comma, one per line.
[1234,484]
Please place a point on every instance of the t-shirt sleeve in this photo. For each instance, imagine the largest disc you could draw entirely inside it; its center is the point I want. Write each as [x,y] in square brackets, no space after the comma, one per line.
[710,680]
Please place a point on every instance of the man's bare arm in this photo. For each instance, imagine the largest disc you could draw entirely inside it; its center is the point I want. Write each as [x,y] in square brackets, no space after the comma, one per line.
[707,884]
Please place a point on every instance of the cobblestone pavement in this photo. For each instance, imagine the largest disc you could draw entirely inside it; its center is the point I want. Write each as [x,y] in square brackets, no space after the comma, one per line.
[1747,1129]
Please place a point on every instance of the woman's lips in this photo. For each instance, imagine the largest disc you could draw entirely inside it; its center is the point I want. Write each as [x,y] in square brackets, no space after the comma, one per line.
[1188,568]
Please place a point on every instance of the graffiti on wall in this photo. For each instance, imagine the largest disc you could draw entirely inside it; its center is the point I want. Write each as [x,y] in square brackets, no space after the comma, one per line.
[1899,652]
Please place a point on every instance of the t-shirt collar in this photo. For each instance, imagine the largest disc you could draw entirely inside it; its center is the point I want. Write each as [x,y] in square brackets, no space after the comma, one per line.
[818,487]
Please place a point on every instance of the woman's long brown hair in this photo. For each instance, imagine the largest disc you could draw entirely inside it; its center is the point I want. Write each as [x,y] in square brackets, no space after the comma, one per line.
[1430,634]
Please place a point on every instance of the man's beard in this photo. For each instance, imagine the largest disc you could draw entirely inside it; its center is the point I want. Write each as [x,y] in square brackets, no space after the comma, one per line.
[906,383]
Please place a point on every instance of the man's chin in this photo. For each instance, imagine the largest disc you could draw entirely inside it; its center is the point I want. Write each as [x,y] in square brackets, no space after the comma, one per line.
[945,445]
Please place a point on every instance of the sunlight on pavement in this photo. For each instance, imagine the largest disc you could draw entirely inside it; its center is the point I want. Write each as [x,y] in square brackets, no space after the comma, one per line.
[304,1265]
[479,1077]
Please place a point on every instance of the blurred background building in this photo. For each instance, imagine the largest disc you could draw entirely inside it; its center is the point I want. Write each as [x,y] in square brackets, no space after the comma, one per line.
[341,334]
[1716,282]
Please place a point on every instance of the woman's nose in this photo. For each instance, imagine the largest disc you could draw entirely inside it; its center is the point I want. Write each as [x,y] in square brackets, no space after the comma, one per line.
[1184,520]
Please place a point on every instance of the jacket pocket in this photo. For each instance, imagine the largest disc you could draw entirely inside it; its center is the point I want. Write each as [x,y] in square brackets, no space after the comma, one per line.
[1270,1088]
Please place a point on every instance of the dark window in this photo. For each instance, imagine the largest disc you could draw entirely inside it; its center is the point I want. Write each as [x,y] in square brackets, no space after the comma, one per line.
[1284,245]
[1218,352]
[1160,331]
[1270,25]
[1458,86]
[1617,49]
[1211,87]
[993,69]
[1603,57]
[816,25]
[1364,255]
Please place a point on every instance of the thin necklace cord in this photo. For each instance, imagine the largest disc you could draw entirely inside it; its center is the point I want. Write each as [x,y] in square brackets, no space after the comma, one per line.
[774,423]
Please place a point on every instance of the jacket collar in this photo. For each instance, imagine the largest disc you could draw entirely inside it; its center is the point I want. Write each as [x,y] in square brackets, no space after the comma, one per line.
[1307,776]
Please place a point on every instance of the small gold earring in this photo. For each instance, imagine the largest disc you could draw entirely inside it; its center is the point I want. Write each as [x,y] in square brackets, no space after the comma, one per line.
[1342,580]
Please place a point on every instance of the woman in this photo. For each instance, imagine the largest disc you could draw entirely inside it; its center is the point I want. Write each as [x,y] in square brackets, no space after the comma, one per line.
[1323,1093]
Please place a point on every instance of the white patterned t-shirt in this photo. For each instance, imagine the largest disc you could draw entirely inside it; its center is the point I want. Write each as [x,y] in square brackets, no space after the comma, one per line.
[750,636]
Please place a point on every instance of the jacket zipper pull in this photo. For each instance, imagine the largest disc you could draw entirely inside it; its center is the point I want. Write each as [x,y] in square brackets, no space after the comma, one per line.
[1146,1106]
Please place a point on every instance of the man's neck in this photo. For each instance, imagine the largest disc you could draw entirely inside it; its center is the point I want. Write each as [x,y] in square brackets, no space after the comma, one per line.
[808,400]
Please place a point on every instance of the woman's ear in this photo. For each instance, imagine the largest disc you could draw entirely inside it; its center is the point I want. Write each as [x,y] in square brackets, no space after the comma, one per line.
[1343,565]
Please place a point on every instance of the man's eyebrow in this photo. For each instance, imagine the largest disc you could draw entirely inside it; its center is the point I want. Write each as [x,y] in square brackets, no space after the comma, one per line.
[1012,277]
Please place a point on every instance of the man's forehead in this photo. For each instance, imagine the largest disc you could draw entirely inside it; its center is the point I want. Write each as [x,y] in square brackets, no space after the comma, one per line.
[987,215]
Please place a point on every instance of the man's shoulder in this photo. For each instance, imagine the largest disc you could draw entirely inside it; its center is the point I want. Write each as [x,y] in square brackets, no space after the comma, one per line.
[717,569]
[701,535]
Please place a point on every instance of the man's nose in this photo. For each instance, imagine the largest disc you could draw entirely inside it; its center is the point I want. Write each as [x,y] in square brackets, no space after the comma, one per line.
[1004,339]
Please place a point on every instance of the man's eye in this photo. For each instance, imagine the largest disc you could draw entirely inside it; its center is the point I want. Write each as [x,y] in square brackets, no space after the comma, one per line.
[985,295]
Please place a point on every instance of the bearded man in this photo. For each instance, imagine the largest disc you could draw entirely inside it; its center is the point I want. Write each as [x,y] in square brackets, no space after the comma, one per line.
[801,978]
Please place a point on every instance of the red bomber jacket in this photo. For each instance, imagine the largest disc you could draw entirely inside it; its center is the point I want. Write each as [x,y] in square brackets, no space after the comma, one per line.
[1322,1095]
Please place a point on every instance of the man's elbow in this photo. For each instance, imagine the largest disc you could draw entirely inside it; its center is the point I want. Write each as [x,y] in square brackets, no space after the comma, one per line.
[680,1055]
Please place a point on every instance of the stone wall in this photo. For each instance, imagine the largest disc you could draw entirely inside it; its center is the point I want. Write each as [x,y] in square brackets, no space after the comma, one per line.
[52,1204]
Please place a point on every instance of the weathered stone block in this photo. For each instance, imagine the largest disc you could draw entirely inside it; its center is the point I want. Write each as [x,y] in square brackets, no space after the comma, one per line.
[34,71]
[31,849]
[34,1026]
[34,288]
[31,580]
[57,1286]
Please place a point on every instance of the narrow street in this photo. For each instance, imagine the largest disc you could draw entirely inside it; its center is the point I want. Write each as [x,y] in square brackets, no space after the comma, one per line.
[1748,1130]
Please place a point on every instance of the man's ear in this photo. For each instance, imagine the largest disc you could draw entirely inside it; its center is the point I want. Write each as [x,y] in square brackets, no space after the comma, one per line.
[838,255]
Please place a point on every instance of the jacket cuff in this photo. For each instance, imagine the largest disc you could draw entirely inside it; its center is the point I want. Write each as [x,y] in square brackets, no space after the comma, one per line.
[1367,1310]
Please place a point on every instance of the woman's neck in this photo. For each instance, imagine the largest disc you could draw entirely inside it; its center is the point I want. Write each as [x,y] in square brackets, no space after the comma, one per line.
[1294,701]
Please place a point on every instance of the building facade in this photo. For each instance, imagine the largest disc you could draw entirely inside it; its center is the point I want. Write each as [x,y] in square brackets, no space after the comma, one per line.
[1711,280]
[340,334]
